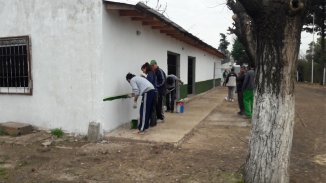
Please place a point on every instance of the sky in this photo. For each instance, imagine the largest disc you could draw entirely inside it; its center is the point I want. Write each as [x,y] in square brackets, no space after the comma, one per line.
[205,19]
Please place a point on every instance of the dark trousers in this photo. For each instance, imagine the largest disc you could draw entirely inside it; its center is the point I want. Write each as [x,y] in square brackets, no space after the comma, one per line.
[169,100]
[146,110]
[240,101]
[153,119]
[159,106]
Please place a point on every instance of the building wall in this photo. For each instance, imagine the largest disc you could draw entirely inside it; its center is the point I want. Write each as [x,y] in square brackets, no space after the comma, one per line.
[66,39]
[81,54]
[125,51]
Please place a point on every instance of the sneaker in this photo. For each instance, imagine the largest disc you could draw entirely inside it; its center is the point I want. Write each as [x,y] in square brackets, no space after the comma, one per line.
[232,100]
[226,98]
[160,120]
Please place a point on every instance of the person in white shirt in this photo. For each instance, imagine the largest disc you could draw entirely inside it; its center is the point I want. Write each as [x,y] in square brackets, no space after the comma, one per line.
[142,87]
[231,84]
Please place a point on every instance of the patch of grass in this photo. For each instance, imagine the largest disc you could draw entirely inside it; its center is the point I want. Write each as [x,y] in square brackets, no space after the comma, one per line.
[57,132]
[3,174]
[230,177]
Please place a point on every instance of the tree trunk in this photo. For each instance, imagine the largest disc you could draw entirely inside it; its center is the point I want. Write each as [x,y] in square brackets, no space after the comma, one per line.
[278,38]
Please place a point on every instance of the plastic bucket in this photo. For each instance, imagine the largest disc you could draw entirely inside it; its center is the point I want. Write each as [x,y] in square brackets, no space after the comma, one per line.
[133,124]
[180,106]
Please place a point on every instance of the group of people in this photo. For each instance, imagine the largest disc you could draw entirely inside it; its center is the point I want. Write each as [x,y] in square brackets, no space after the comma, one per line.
[243,83]
[153,87]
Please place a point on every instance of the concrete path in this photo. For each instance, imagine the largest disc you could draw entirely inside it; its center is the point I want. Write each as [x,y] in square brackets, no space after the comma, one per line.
[177,125]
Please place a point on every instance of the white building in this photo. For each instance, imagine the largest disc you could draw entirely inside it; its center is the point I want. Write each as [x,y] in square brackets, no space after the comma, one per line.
[59,59]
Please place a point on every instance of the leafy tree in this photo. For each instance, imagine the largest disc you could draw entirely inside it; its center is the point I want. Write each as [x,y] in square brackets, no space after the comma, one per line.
[238,53]
[223,47]
[317,8]
[317,53]
[270,30]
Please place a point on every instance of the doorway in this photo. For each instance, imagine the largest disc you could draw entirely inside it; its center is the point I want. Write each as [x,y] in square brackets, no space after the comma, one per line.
[173,63]
[191,75]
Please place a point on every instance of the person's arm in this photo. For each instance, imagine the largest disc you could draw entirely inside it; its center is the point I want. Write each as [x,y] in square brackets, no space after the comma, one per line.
[135,90]
[227,78]
[179,80]
[136,98]
[160,78]
[245,81]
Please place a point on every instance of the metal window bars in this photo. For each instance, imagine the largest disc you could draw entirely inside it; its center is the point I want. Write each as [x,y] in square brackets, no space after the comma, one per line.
[15,65]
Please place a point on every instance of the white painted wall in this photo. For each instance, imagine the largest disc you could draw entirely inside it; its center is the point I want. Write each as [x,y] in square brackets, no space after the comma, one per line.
[124,51]
[81,54]
[66,48]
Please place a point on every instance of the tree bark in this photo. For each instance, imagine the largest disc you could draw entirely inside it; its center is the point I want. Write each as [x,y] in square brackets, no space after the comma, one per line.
[278,39]
[277,25]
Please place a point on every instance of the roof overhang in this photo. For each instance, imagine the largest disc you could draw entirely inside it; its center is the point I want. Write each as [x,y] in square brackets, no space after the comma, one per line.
[155,20]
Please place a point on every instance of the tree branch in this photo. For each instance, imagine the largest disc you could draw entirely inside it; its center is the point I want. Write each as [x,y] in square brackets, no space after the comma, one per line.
[243,28]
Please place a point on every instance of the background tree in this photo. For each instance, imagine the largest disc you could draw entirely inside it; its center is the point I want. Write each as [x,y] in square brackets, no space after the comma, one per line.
[318,56]
[317,8]
[270,30]
[223,47]
[238,53]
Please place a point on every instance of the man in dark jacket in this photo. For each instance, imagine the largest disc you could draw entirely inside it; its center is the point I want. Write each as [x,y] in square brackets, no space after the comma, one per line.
[161,88]
[151,77]
[248,91]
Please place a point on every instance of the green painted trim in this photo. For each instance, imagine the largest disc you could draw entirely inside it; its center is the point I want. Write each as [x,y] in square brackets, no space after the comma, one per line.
[203,86]
[218,82]
[200,87]
[183,91]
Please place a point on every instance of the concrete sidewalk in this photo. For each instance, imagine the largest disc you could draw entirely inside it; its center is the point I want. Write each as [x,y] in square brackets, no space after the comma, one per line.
[176,125]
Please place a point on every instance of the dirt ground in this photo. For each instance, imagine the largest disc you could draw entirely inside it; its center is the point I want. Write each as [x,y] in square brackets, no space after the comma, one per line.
[211,153]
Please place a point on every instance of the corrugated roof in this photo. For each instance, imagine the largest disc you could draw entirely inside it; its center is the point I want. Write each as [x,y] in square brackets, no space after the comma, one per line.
[150,17]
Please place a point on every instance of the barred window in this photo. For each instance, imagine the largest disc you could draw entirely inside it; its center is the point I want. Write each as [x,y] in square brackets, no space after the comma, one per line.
[15,65]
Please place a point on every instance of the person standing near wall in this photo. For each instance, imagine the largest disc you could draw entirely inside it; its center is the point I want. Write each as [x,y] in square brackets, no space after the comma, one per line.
[248,91]
[225,74]
[151,77]
[231,83]
[142,87]
[240,80]
[161,88]
[171,85]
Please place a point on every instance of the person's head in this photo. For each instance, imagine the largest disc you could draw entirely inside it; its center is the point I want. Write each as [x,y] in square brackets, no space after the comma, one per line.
[242,69]
[252,67]
[129,76]
[153,64]
[232,69]
[146,68]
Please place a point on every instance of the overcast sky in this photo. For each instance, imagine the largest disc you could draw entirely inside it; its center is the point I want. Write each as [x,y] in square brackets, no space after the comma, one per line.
[205,19]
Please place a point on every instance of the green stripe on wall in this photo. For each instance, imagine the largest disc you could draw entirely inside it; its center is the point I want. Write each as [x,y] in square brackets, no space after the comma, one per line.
[203,86]
[200,87]
[183,91]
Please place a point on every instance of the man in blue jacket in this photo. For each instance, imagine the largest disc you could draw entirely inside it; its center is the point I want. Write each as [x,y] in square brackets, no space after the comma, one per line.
[161,88]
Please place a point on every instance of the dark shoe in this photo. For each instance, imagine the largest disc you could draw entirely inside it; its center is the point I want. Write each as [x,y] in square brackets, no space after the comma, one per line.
[247,117]
[241,113]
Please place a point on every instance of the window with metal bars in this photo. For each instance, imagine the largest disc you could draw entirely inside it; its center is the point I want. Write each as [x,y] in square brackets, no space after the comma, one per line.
[15,65]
